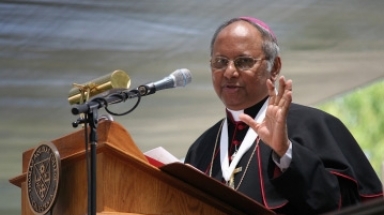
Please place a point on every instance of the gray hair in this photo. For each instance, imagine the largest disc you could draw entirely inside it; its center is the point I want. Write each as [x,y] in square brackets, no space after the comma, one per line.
[269,45]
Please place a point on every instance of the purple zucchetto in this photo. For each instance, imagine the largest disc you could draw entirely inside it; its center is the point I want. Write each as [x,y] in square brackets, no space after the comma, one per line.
[261,24]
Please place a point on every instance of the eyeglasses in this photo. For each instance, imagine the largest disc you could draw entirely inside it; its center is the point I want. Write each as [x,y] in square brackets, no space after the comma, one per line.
[241,63]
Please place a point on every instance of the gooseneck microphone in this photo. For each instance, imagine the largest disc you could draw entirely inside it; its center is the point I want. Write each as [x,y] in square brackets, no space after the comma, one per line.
[178,78]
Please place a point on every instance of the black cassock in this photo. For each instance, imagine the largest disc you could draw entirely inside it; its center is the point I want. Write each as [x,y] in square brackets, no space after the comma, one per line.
[328,170]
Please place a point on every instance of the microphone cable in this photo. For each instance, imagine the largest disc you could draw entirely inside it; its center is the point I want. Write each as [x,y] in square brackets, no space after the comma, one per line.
[123,97]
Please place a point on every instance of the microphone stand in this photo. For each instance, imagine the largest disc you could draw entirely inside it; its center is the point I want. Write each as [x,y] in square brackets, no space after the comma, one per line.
[90,109]
[92,121]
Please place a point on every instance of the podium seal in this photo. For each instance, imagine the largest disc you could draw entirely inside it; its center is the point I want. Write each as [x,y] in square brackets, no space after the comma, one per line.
[43,178]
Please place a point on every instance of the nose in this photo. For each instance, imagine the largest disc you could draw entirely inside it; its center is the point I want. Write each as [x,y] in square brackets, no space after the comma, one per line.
[231,71]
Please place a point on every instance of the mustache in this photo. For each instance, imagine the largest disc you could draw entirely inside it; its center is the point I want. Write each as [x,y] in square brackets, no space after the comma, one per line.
[231,84]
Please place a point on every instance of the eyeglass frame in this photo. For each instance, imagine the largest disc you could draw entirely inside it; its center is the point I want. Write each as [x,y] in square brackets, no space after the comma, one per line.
[234,63]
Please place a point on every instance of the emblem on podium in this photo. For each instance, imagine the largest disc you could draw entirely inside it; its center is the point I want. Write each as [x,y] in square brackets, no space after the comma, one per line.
[43,178]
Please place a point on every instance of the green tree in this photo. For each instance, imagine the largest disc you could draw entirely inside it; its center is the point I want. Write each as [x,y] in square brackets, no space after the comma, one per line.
[362,111]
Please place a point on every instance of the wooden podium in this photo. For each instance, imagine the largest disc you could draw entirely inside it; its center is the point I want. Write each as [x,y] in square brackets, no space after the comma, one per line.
[128,184]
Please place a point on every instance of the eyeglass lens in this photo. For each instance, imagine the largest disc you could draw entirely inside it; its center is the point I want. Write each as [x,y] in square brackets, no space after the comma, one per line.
[242,63]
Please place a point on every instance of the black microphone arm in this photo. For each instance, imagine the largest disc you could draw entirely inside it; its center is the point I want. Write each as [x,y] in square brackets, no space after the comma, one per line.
[104,101]
[178,78]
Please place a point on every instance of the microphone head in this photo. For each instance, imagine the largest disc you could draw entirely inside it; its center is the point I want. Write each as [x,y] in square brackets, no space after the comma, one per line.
[182,77]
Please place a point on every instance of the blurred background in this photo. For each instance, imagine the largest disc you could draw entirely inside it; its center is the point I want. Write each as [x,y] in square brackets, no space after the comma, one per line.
[330,49]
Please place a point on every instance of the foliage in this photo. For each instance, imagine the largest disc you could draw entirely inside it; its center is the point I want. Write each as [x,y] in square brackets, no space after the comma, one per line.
[362,112]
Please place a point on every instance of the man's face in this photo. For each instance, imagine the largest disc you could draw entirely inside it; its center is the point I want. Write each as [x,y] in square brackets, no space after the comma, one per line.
[238,88]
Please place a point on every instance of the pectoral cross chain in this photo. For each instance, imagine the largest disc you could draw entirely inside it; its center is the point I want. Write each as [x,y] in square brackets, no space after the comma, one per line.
[232,179]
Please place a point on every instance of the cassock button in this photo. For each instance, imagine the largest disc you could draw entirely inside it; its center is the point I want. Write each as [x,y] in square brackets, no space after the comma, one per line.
[235,142]
[241,126]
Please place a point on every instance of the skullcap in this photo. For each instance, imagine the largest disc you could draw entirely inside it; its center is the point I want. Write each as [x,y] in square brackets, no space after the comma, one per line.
[261,24]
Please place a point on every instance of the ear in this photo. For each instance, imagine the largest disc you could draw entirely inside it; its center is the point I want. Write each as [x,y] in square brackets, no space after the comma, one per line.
[276,69]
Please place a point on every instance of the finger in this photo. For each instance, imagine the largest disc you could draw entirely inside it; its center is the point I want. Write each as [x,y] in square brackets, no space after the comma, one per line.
[286,98]
[282,87]
[286,93]
[249,121]
[271,92]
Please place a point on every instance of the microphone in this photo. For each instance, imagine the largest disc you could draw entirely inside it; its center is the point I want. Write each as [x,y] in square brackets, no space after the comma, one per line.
[118,79]
[178,78]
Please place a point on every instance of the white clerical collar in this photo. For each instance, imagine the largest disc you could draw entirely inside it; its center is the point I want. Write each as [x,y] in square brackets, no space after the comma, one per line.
[236,114]
[226,168]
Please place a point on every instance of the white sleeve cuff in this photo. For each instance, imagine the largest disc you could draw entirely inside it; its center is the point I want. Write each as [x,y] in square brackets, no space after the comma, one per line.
[284,161]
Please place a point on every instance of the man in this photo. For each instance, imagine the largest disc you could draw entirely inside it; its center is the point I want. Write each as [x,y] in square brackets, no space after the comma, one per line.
[293,159]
